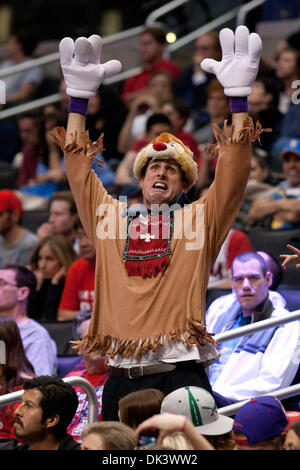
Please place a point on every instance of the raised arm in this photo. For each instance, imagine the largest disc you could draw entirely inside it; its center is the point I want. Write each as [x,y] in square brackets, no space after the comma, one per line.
[292,258]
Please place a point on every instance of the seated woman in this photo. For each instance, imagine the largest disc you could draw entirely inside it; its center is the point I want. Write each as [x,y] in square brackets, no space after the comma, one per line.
[50,262]
[136,407]
[13,373]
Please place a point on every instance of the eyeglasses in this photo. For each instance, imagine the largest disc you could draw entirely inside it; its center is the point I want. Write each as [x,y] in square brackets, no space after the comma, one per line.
[5,283]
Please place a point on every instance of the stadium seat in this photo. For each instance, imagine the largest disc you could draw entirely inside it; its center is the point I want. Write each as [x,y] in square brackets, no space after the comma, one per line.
[62,333]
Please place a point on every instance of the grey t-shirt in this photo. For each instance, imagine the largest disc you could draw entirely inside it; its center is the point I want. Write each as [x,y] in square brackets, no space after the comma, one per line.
[40,348]
[20,252]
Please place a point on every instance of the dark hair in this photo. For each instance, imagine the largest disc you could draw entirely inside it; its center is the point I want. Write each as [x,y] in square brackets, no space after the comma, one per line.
[138,406]
[24,278]
[248,256]
[157,118]
[274,267]
[158,34]
[58,398]
[16,361]
[181,106]
[27,40]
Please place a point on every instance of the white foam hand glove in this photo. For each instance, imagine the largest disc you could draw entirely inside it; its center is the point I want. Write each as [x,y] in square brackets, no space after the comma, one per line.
[80,63]
[240,60]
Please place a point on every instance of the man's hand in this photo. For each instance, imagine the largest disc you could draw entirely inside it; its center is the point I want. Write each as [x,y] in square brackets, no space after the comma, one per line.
[294,258]
[80,63]
[240,60]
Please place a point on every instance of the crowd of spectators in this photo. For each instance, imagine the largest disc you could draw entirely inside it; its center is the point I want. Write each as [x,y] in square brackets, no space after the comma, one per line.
[48,275]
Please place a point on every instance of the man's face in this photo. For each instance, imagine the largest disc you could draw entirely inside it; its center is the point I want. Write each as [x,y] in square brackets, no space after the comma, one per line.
[258,99]
[205,47]
[8,290]
[162,183]
[29,131]
[291,169]
[217,104]
[249,284]
[292,441]
[150,49]
[28,417]
[86,247]
[61,218]
[174,116]
[286,65]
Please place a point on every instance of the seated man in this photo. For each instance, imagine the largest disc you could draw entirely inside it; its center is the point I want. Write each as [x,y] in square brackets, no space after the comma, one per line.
[16,243]
[18,285]
[282,203]
[265,361]
[47,406]
[78,293]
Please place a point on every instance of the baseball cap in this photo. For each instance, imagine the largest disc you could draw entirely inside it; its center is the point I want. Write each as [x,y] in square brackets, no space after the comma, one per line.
[9,201]
[198,405]
[261,419]
[293,146]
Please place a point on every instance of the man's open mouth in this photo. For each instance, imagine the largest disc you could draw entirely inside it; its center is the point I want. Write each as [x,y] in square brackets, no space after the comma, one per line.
[162,186]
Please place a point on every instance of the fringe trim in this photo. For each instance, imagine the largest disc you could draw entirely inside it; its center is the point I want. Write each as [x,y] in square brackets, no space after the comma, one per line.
[147,268]
[107,345]
[223,137]
[78,145]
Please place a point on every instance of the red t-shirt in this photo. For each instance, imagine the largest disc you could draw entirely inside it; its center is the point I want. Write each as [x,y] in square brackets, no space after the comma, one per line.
[139,81]
[78,293]
[80,419]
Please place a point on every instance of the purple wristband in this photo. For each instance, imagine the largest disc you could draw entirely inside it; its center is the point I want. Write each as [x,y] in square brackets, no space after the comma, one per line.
[239,104]
[78,105]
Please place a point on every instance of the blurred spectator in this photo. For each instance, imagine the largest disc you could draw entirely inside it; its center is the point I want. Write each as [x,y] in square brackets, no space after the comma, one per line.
[78,293]
[156,124]
[198,405]
[95,371]
[106,113]
[274,267]
[292,440]
[18,287]
[109,435]
[21,86]
[217,110]
[16,242]
[136,407]
[263,107]
[47,406]
[152,45]
[264,362]
[40,171]
[178,112]
[260,424]
[235,243]
[192,83]
[13,373]
[149,101]
[63,215]
[280,208]
[50,262]
[287,70]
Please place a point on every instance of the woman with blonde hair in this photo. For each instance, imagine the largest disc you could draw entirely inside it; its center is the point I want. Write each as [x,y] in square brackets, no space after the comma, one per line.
[50,262]
[13,373]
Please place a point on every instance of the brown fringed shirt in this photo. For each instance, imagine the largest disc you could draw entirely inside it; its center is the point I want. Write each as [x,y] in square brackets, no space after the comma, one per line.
[133,315]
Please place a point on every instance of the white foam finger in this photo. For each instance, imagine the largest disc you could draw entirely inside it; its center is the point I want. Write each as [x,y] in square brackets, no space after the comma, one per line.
[112,67]
[96,48]
[255,47]
[82,49]
[227,42]
[66,49]
[241,40]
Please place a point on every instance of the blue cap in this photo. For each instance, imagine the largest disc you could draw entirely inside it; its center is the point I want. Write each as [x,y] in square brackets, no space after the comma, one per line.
[261,419]
[293,146]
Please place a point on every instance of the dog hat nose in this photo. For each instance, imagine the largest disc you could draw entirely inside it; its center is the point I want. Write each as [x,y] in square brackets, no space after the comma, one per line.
[159,146]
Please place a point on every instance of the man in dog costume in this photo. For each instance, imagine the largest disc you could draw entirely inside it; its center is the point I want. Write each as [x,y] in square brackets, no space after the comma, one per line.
[152,267]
